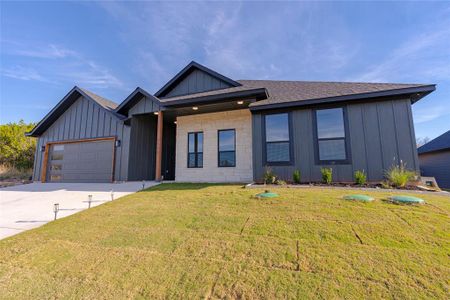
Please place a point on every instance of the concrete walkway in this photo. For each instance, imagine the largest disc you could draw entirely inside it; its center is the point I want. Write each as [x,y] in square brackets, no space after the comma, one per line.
[27,206]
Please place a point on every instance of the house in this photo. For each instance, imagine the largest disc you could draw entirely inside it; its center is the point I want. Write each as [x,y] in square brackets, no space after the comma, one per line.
[434,159]
[204,126]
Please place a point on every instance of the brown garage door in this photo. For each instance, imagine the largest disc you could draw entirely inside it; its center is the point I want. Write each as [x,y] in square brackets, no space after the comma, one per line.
[86,161]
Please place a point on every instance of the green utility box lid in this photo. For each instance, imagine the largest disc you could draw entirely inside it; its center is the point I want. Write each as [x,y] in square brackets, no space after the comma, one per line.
[357,197]
[407,199]
[267,194]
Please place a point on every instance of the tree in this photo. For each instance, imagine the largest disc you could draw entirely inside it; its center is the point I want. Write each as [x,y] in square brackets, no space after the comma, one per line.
[16,149]
[422,141]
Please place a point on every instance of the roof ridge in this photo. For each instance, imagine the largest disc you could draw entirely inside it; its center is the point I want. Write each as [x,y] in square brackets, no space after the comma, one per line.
[340,82]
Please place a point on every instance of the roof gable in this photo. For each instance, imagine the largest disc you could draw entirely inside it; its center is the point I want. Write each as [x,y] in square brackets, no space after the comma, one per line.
[195,78]
[442,142]
[69,99]
[134,99]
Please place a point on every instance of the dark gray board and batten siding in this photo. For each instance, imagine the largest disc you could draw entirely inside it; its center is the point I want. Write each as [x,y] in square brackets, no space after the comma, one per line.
[86,119]
[142,158]
[196,82]
[380,134]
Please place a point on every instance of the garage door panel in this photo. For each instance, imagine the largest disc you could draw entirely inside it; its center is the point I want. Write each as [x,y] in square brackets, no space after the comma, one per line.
[90,161]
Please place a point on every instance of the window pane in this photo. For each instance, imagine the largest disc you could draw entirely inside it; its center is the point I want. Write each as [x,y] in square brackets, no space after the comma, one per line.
[277,128]
[226,140]
[200,160]
[332,150]
[278,152]
[227,159]
[191,160]
[330,123]
[191,142]
[200,142]
[57,156]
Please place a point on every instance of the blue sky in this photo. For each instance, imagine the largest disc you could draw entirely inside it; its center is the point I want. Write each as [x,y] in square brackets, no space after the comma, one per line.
[110,48]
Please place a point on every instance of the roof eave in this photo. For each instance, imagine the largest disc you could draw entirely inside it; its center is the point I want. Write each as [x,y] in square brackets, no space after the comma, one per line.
[259,92]
[421,92]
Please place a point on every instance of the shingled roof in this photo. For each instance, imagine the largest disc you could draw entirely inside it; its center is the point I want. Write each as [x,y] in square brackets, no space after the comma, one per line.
[294,92]
[442,142]
[105,103]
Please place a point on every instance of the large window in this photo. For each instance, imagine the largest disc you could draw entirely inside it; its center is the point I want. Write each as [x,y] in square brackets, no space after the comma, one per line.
[277,138]
[331,135]
[195,150]
[227,148]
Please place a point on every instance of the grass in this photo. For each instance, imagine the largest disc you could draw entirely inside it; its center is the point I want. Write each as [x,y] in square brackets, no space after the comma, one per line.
[217,241]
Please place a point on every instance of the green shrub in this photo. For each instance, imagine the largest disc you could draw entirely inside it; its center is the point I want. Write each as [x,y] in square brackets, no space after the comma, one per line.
[327,175]
[360,177]
[399,175]
[269,176]
[296,177]
[17,150]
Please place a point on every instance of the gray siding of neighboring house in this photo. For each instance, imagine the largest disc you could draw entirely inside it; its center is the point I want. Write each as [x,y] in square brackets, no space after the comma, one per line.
[436,164]
[381,134]
[196,82]
[86,119]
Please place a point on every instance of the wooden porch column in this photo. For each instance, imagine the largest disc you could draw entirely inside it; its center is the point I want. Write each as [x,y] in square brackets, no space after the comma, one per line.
[159,139]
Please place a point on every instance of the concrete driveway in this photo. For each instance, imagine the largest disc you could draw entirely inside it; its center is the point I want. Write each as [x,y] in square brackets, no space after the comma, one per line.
[27,206]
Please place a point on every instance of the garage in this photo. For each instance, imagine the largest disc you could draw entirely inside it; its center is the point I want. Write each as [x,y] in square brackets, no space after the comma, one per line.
[80,161]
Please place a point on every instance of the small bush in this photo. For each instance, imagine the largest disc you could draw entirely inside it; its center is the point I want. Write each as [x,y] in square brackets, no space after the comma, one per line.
[281,182]
[399,175]
[269,176]
[360,177]
[327,175]
[296,177]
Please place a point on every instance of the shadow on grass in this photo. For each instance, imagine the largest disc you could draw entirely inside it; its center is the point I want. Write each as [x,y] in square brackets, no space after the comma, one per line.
[183,186]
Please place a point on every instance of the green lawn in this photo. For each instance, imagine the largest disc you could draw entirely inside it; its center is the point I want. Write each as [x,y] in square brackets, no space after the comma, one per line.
[217,241]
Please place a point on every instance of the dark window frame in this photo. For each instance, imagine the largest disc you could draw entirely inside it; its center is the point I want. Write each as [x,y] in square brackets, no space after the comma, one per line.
[196,152]
[290,162]
[218,148]
[346,138]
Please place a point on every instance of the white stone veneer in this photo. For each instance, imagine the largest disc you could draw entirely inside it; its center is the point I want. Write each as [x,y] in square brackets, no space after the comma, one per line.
[209,124]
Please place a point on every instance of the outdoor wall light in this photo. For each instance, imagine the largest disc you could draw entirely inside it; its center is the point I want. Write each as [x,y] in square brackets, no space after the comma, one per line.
[42,148]
[195,108]
[240,102]
[117,143]
[174,122]
[155,113]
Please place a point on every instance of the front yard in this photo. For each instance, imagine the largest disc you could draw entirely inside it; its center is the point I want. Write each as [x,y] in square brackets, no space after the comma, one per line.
[214,241]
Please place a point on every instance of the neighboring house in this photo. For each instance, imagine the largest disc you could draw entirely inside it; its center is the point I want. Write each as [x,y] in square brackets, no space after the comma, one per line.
[434,159]
[203,126]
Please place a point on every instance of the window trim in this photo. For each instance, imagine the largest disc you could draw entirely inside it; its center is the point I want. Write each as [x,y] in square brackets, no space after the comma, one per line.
[289,162]
[196,153]
[346,138]
[218,148]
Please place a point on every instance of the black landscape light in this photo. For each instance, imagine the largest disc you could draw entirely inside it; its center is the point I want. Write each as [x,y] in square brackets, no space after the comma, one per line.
[89,200]
[143,184]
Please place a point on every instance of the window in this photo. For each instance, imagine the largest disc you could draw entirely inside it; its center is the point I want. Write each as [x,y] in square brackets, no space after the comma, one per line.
[58,147]
[227,148]
[56,167]
[57,156]
[195,150]
[331,135]
[277,138]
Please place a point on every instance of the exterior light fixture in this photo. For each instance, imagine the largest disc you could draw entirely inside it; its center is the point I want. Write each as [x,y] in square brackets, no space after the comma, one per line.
[43,148]
[155,113]
[174,122]
[240,102]
[195,108]
[117,143]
